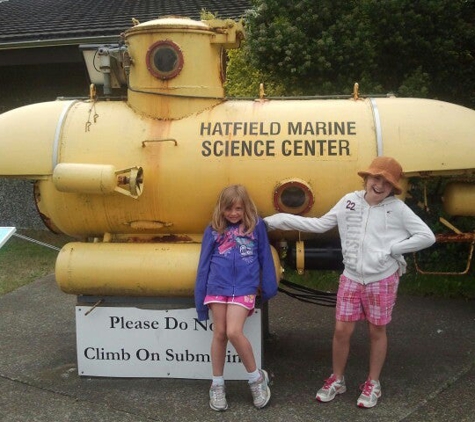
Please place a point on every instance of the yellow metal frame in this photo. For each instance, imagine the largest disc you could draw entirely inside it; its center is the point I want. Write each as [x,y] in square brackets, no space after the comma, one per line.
[459,237]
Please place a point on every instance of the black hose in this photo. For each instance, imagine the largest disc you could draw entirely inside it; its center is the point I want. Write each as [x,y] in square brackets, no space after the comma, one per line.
[305,294]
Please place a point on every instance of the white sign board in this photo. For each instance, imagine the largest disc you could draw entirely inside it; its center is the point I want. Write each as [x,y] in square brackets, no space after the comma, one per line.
[5,234]
[150,343]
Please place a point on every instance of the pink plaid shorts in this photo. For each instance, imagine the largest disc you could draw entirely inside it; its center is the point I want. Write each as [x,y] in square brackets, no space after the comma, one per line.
[248,301]
[373,301]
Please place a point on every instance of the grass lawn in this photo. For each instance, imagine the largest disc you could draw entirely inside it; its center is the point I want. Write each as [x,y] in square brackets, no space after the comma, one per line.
[22,261]
[411,283]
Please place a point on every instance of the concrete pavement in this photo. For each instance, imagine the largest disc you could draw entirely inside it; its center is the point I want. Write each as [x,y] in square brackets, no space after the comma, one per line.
[429,374]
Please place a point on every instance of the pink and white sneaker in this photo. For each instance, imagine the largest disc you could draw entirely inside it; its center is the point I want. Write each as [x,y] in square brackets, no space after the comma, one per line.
[330,389]
[370,393]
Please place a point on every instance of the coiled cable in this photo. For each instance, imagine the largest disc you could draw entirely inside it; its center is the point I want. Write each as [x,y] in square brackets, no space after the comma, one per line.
[306,294]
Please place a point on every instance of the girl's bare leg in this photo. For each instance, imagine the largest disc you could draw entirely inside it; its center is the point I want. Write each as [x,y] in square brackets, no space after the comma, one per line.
[341,346]
[236,318]
[378,350]
[220,341]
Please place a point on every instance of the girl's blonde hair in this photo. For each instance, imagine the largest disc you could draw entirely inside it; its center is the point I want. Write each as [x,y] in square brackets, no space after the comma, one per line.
[227,198]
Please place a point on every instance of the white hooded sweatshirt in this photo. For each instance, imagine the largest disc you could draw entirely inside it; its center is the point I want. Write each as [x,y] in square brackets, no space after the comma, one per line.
[373,238]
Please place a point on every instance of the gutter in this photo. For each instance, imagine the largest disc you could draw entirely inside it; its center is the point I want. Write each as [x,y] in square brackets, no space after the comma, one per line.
[58,42]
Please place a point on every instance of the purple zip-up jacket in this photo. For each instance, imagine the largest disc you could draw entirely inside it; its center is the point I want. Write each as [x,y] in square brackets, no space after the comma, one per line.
[233,264]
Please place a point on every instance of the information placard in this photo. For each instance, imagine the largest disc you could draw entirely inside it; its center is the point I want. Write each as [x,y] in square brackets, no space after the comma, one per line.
[5,234]
[149,343]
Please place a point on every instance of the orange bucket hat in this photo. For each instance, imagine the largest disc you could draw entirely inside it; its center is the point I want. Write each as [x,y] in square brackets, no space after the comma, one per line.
[388,168]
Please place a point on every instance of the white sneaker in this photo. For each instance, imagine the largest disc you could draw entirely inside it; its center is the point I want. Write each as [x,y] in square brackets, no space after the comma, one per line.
[260,390]
[330,389]
[217,398]
[371,392]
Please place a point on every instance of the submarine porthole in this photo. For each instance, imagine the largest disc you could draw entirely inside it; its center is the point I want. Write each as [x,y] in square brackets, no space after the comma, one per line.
[293,196]
[164,60]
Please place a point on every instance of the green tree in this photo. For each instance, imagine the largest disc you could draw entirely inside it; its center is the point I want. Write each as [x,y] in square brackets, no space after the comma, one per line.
[423,48]
[244,80]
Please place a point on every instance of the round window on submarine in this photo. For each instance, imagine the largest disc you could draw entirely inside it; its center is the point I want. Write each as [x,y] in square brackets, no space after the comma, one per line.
[293,196]
[164,59]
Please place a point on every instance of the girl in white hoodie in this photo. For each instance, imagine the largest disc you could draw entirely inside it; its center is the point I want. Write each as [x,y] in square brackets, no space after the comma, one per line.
[375,229]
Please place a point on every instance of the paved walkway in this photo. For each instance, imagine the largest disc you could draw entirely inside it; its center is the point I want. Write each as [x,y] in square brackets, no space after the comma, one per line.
[429,374]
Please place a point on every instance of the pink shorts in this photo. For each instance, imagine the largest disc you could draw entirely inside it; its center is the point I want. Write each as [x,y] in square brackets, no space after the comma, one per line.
[248,301]
[373,301]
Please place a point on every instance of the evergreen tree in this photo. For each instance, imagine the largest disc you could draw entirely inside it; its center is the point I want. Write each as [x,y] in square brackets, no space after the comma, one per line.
[423,48]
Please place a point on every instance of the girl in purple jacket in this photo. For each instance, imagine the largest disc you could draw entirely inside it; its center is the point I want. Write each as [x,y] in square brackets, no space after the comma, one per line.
[235,262]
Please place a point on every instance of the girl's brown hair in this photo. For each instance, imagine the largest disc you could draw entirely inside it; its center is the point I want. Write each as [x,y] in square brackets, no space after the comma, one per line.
[227,198]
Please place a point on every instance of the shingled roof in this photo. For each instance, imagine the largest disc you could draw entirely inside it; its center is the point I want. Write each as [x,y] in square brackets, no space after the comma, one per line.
[31,23]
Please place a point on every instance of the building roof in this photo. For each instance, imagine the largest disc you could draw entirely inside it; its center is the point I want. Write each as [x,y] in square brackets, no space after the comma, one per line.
[43,23]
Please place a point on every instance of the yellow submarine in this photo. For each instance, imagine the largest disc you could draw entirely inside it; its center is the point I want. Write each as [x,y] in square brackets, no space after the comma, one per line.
[135,180]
